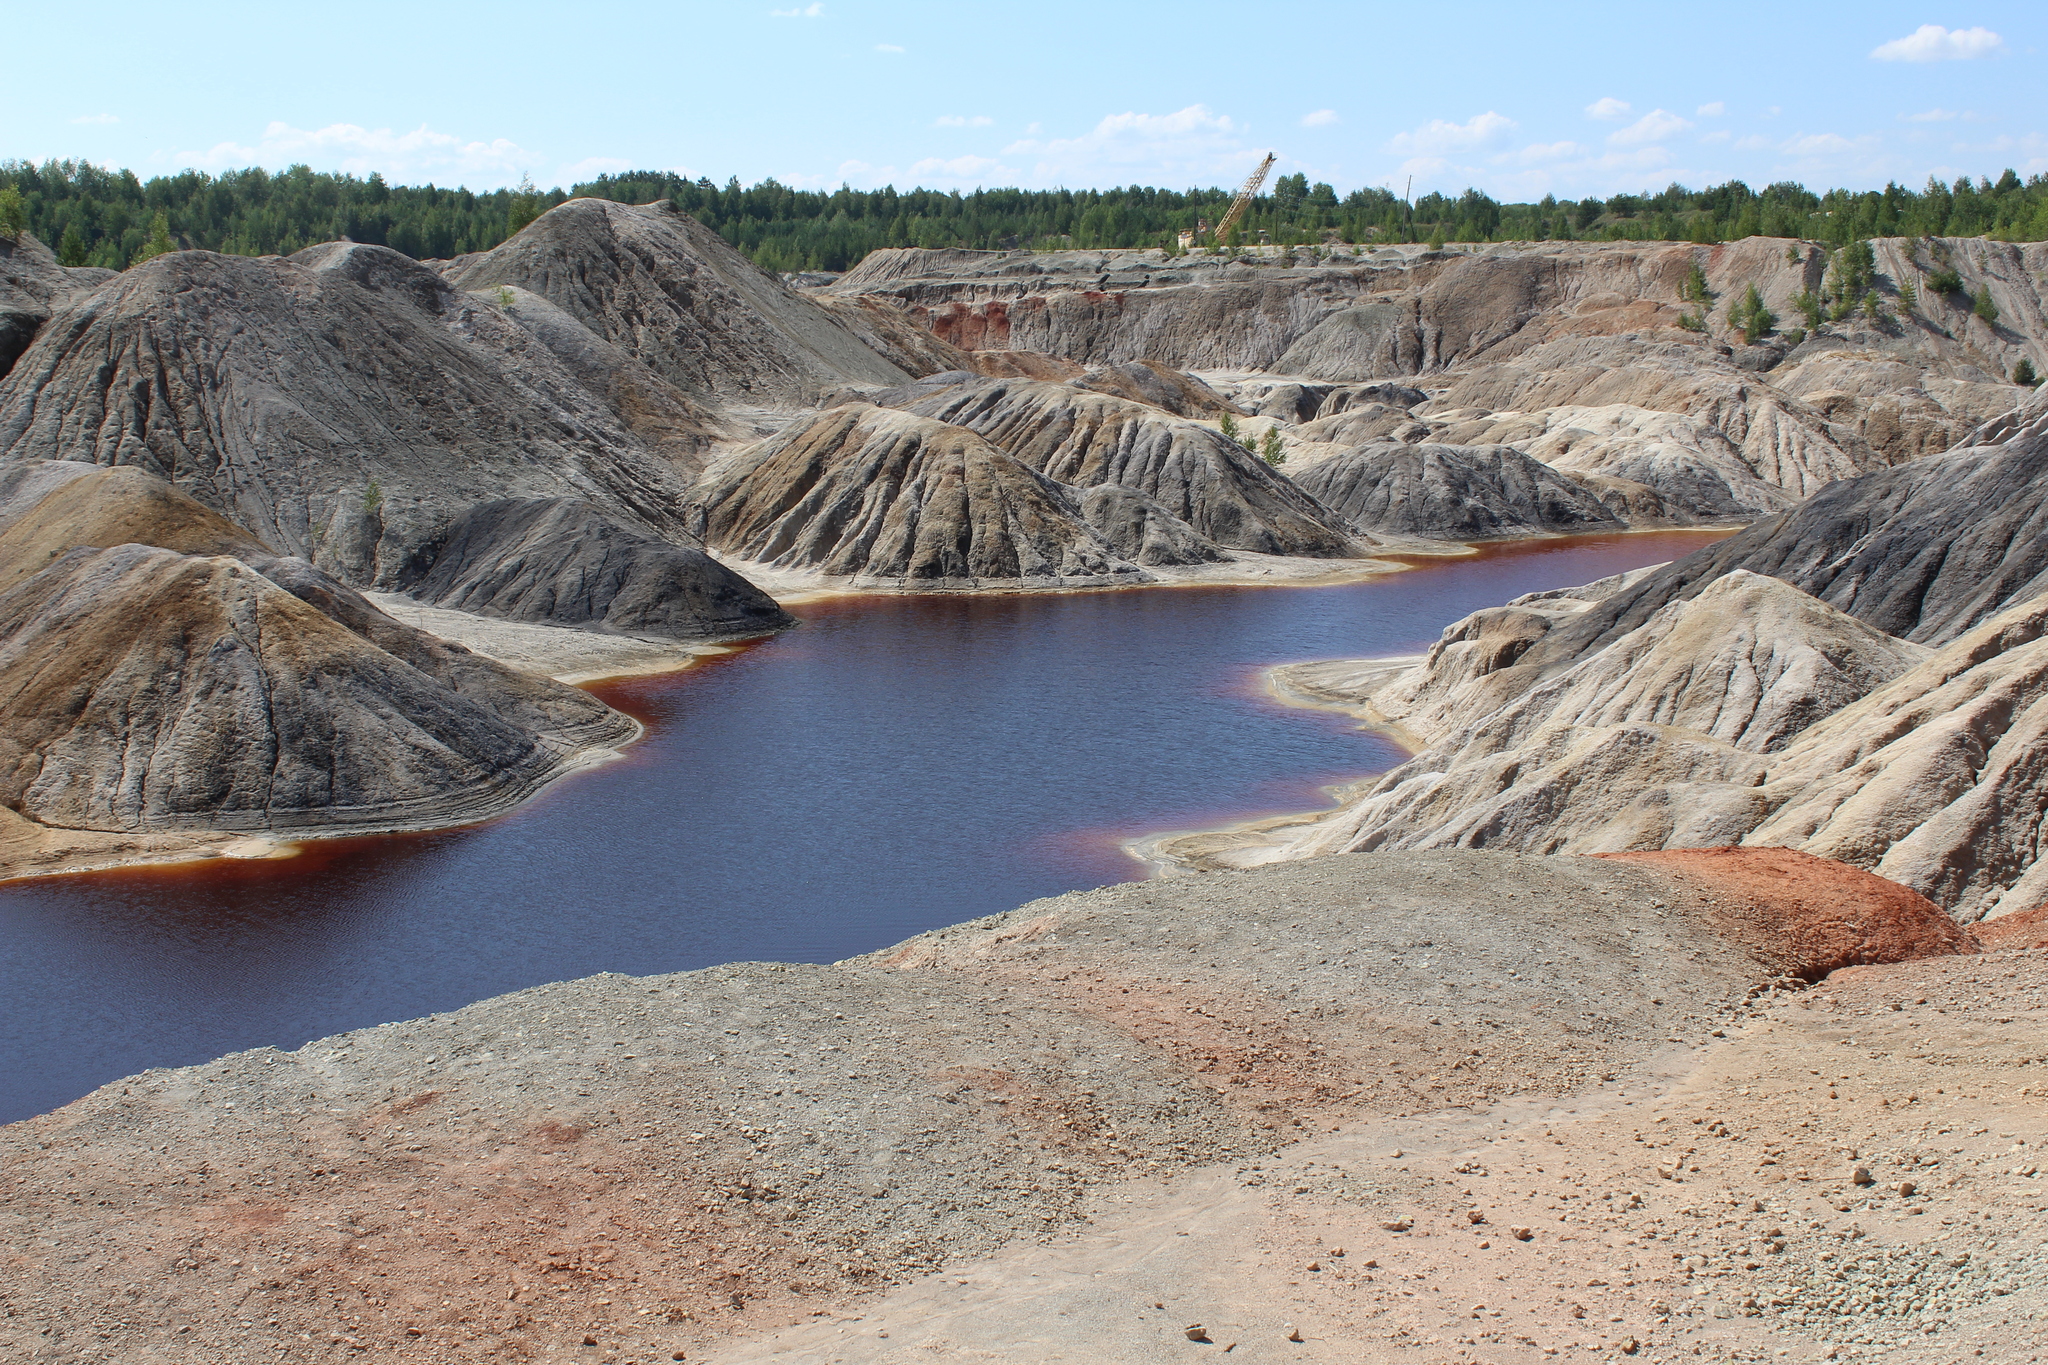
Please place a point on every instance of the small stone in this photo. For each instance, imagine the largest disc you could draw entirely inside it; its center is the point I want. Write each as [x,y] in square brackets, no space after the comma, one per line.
[589,1341]
[1860,1176]
[1630,1347]
[1474,1216]
[1397,1224]
[1521,1234]
[1196,1332]
[1906,1188]
[1293,1332]
[1484,1245]
[1315,1265]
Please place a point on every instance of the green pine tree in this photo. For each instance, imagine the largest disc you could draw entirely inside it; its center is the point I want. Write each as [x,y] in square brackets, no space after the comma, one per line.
[525,206]
[1436,238]
[1693,289]
[1274,451]
[1982,305]
[158,243]
[13,214]
[1228,426]
[1809,305]
[1749,316]
[71,248]
[2023,374]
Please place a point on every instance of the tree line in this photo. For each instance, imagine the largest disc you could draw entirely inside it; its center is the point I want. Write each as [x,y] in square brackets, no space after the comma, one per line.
[93,216]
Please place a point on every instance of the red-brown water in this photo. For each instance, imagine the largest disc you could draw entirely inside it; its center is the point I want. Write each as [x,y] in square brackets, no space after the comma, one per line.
[895,764]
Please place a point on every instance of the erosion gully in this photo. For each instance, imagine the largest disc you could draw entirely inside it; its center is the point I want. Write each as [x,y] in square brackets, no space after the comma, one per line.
[894,764]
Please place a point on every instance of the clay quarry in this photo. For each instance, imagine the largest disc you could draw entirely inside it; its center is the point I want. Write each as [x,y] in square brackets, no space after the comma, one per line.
[1681,994]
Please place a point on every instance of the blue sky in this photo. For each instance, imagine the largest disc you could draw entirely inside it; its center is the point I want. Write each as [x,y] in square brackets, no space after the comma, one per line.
[1518,99]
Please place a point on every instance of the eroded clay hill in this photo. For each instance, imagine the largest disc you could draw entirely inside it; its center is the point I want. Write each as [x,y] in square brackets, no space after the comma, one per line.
[562,562]
[1335,1111]
[885,498]
[165,673]
[32,286]
[343,405]
[1582,355]
[1083,437]
[671,293]
[1864,678]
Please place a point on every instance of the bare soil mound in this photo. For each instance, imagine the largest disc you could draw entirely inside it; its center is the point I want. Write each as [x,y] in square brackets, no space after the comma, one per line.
[2026,929]
[887,498]
[342,405]
[1812,915]
[562,562]
[151,691]
[1454,492]
[659,1165]
[1083,438]
[103,507]
[669,291]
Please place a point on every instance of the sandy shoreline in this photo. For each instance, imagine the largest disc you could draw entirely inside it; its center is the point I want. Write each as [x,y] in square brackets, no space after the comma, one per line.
[1309,685]
[581,657]
[1243,570]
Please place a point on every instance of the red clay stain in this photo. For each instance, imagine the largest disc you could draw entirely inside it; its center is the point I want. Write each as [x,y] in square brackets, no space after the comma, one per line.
[1810,916]
[556,1133]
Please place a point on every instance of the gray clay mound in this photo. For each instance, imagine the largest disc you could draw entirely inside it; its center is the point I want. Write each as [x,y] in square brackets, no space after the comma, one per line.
[1141,530]
[1924,551]
[1454,492]
[1292,401]
[668,421]
[669,291]
[886,497]
[1083,438]
[32,286]
[151,690]
[344,404]
[1176,392]
[562,562]
[50,507]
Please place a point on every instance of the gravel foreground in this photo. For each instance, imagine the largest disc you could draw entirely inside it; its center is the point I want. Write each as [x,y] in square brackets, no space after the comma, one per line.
[1419,1106]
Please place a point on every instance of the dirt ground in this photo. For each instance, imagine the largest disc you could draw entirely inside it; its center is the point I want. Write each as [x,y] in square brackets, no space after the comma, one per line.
[1433,1106]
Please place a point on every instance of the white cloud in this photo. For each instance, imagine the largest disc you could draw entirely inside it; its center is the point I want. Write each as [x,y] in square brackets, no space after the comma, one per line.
[962,121]
[1654,126]
[1321,118]
[1817,144]
[1754,142]
[1931,116]
[811,11]
[1191,145]
[409,157]
[1607,108]
[1537,153]
[1933,43]
[979,170]
[96,118]
[1719,135]
[1437,137]
[1714,110]
[887,47]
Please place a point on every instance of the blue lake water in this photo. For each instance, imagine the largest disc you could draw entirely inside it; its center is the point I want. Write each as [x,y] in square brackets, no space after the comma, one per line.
[894,764]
